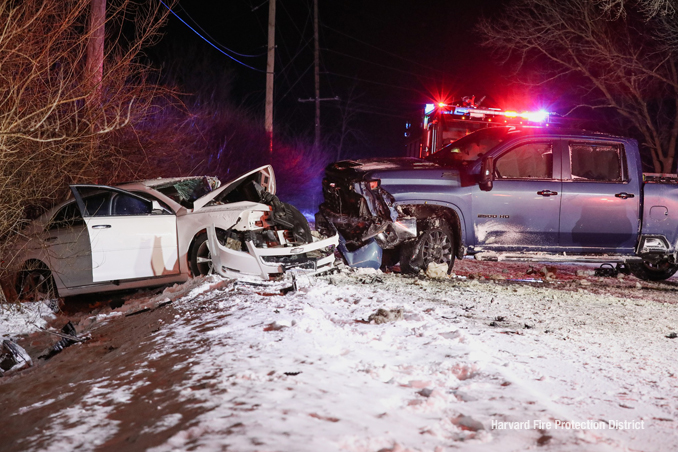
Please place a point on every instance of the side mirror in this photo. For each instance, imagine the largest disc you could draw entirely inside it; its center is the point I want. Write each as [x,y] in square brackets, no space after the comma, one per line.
[157,208]
[486,174]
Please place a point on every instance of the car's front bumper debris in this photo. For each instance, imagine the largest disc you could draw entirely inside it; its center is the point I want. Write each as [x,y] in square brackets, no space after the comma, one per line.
[274,262]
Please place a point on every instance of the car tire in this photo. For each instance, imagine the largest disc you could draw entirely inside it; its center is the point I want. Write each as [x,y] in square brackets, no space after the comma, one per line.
[434,245]
[649,271]
[200,256]
[36,282]
[301,232]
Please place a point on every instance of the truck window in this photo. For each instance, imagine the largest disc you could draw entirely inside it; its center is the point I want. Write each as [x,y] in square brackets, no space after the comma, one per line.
[596,162]
[471,147]
[527,161]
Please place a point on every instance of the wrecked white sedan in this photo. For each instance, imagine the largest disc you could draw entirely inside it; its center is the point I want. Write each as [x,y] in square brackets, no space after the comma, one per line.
[163,231]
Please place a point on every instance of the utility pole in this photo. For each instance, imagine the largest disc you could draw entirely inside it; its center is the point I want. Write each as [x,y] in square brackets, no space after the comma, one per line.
[316,63]
[270,67]
[95,48]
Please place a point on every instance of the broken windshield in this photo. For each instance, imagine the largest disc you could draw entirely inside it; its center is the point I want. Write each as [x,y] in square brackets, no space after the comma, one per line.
[186,191]
[471,147]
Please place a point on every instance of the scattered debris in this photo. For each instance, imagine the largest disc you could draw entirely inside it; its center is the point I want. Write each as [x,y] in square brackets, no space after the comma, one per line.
[140,311]
[68,338]
[548,272]
[386,315]
[468,423]
[672,335]
[426,392]
[606,271]
[13,357]
[544,439]
[279,325]
[437,271]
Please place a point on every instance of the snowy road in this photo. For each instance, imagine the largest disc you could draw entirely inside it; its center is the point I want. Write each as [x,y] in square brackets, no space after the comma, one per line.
[462,365]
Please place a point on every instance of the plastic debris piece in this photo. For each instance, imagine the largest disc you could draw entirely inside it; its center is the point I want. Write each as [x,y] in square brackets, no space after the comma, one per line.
[367,256]
[13,357]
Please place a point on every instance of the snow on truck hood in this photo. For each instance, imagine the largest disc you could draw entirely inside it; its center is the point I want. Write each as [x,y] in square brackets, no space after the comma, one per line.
[267,182]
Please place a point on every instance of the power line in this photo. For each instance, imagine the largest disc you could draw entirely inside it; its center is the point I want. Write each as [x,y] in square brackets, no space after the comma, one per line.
[373,82]
[300,48]
[384,51]
[208,41]
[381,65]
[366,110]
[217,42]
[298,80]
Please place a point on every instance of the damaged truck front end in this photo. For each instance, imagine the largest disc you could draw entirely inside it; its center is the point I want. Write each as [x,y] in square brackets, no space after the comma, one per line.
[360,204]
[360,209]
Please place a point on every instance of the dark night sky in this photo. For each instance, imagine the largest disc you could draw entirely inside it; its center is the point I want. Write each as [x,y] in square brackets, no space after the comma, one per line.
[399,54]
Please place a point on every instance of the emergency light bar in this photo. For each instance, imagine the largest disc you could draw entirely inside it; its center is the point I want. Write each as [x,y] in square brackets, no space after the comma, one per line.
[482,113]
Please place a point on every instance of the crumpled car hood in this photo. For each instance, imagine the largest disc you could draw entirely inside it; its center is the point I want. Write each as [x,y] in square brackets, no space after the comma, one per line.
[269,186]
[382,164]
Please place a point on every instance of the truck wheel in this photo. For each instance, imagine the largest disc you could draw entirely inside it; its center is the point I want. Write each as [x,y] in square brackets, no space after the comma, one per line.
[657,271]
[200,257]
[434,245]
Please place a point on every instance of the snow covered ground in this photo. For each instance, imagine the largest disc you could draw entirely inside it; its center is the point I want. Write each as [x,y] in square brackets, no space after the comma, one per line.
[457,364]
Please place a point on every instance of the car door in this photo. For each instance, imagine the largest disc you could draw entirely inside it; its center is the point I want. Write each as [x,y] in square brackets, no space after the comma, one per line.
[68,247]
[128,237]
[600,206]
[521,212]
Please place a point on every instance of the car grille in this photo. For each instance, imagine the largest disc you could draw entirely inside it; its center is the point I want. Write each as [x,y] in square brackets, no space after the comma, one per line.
[304,260]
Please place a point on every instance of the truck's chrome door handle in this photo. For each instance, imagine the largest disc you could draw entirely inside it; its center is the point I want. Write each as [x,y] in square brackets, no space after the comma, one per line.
[101,226]
[547,193]
[624,195]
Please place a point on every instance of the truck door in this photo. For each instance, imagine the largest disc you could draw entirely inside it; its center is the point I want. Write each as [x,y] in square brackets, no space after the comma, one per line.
[521,212]
[129,239]
[600,206]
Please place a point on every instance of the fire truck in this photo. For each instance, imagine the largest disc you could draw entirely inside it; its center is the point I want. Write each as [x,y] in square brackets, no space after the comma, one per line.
[444,123]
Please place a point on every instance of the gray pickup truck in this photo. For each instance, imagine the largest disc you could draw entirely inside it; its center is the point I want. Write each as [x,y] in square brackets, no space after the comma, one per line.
[506,193]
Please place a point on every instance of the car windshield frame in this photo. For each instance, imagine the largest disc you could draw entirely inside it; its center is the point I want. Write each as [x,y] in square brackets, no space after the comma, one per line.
[470,148]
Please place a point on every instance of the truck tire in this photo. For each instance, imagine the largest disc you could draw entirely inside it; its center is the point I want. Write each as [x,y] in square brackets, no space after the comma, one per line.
[657,271]
[434,245]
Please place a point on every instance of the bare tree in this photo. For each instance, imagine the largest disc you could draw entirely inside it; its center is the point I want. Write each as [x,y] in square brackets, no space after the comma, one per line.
[615,54]
[52,130]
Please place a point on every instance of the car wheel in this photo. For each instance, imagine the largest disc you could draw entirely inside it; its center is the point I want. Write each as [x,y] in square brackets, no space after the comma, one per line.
[301,232]
[35,282]
[200,257]
[434,245]
[657,271]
